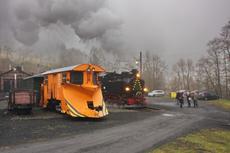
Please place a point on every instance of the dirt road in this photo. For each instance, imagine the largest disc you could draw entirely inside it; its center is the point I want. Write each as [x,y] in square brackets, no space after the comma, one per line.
[137,136]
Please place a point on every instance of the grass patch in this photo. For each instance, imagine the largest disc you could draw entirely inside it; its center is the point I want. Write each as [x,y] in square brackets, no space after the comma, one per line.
[208,140]
[223,103]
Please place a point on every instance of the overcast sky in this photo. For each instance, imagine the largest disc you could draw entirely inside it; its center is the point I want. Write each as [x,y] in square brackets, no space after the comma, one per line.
[171,28]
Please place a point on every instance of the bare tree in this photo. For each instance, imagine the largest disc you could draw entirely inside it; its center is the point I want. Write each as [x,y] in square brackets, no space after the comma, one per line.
[189,73]
[205,75]
[8,51]
[183,74]
[215,67]
[214,54]
[225,48]
[153,71]
[225,39]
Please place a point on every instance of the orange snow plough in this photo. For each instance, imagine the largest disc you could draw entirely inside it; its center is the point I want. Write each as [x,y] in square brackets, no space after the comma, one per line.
[74,90]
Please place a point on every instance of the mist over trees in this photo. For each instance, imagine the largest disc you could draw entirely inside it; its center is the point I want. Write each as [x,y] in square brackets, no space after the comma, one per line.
[183,75]
[216,65]
[211,72]
[31,62]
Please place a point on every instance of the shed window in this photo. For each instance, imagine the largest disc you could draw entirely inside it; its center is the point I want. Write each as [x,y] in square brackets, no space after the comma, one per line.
[76,77]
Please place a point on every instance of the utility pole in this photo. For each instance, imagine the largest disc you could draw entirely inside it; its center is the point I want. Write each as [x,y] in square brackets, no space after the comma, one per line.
[140,63]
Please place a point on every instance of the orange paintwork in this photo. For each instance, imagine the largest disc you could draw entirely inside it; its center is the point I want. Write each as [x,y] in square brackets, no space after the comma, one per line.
[73,98]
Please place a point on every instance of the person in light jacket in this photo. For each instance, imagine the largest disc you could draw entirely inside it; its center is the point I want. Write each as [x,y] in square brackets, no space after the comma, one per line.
[195,99]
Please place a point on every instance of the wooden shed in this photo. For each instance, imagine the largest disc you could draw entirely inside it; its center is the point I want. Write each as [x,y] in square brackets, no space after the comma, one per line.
[12,79]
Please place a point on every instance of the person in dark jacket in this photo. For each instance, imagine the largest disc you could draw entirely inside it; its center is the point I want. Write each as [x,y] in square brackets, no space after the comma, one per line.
[177,98]
[180,97]
[189,99]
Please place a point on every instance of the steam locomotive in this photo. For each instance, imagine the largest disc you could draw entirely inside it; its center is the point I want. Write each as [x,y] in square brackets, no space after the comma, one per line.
[126,88]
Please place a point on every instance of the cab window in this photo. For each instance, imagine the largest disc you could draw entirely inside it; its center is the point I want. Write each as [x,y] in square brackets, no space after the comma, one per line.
[76,77]
[95,78]
[63,77]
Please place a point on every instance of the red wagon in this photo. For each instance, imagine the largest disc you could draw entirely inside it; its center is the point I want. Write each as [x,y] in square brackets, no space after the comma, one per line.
[21,101]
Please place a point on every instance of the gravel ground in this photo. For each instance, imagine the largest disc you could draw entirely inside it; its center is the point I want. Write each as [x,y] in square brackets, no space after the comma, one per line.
[3,104]
[43,125]
[122,131]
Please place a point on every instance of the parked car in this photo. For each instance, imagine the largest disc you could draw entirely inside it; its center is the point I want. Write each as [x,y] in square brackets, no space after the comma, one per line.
[156,93]
[207,95]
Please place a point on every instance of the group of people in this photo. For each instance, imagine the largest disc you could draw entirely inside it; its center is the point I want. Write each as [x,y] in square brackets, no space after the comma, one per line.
[190,97]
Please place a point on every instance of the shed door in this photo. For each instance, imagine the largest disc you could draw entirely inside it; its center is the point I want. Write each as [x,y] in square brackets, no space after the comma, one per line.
[8,84]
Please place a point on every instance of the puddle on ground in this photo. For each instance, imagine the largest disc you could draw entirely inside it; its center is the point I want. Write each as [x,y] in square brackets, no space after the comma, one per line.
[168,115]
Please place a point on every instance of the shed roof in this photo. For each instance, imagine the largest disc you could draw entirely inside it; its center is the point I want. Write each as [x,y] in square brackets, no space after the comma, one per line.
[79,67]
[15,70]
[64,69]
[40,75]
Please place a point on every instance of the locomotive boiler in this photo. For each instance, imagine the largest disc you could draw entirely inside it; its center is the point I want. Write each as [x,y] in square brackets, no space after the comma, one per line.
[126,88]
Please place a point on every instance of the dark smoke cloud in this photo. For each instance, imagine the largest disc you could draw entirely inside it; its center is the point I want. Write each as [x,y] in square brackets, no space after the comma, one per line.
[112,41]
[84,23]
[27,32]
[98,24]
[5,34]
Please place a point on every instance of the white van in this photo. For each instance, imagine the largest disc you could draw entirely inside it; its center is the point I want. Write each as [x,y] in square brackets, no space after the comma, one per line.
[156,93]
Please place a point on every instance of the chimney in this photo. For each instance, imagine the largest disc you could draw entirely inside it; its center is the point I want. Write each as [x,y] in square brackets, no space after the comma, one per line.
[10,67]
[18,68]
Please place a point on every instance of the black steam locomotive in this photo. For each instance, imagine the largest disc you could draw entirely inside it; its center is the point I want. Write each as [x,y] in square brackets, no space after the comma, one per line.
[126,88]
